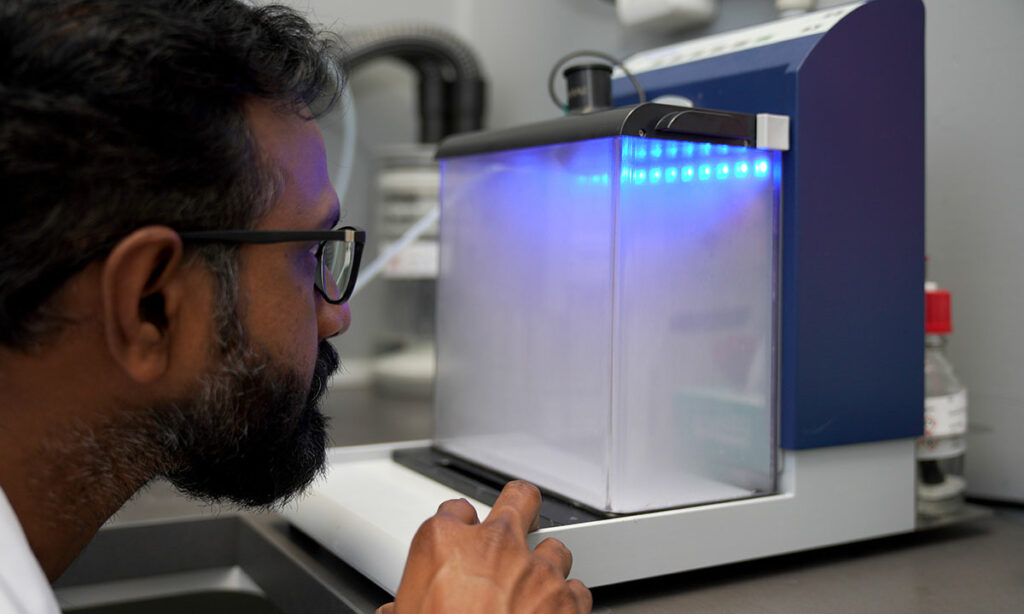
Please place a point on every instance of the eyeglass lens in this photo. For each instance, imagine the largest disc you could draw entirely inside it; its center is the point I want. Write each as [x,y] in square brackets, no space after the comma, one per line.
[337,260]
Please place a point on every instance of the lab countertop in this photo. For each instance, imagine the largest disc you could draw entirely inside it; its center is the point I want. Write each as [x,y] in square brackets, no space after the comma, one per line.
[972,567]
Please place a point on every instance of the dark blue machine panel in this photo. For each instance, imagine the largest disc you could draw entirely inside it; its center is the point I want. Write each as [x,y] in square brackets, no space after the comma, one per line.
[852,300]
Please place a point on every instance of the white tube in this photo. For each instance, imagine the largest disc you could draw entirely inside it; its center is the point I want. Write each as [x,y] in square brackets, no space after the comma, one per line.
[367,274]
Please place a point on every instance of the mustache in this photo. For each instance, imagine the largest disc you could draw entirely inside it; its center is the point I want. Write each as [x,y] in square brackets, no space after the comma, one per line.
[327,363]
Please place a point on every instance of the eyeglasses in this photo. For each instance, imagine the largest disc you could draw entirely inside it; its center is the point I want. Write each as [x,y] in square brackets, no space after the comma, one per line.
[338,253]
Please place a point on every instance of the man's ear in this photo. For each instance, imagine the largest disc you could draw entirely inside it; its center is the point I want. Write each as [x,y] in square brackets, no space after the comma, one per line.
[142,285]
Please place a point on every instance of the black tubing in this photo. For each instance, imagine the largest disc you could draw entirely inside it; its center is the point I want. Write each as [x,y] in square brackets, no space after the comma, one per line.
[399,40]
[429,51]
[433,99]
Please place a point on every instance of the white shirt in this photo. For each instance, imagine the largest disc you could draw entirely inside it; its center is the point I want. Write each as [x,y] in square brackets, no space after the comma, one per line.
[23,585]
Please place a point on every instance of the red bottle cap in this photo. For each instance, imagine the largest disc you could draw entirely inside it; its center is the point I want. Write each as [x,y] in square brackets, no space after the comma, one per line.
[938,319]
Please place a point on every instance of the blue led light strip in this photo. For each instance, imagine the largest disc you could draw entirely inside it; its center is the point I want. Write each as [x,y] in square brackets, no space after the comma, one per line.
[655,161]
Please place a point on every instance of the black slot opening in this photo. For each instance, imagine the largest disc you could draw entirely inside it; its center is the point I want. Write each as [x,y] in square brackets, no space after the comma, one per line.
[484,485]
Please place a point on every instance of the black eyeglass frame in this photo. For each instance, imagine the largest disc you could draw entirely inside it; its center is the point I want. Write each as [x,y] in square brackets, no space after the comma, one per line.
[346,234]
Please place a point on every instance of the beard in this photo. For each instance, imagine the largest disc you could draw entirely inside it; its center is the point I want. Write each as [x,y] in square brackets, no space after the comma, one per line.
[253,433]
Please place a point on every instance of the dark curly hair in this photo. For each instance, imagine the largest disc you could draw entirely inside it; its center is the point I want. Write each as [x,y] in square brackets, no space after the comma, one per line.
[116,114]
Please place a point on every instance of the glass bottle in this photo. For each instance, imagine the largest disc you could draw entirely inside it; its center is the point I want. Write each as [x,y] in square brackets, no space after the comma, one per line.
[940,452]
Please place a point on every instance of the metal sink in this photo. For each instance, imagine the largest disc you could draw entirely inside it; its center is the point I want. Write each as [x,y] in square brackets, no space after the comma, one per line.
[257,564]
[202,602]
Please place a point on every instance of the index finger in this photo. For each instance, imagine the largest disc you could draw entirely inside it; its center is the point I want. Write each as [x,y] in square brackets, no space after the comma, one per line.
[519,505]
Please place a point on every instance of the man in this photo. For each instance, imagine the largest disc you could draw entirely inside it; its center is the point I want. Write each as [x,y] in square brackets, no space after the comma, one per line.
[154,319]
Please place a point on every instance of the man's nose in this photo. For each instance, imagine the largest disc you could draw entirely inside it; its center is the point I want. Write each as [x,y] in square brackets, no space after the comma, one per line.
[332,320]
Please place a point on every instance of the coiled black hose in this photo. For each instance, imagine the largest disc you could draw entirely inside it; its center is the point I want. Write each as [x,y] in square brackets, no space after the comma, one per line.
[451,87]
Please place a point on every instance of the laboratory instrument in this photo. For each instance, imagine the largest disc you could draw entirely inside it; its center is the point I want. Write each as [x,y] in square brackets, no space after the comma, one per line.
[699,331]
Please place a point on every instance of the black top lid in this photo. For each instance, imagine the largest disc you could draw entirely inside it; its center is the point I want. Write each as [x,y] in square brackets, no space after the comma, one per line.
[649,119]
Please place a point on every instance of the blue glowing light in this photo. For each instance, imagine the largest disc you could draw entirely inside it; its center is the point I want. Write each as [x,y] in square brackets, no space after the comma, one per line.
[653,162]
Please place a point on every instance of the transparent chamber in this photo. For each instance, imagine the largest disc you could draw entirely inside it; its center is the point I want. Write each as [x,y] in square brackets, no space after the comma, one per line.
[607,319]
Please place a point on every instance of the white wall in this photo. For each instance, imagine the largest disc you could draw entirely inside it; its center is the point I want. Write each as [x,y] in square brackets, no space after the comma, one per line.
[975,223]
[517,40]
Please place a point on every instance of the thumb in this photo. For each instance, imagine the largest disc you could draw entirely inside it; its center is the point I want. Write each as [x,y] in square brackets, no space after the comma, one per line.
[387,608]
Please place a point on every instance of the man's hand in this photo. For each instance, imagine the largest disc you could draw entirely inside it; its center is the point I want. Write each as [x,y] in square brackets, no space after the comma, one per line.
[459,564]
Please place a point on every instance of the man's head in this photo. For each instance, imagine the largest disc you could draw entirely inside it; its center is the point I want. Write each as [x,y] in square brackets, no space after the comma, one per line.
[122,123]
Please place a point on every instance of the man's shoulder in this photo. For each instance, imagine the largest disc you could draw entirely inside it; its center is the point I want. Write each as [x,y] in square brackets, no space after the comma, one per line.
[23,586]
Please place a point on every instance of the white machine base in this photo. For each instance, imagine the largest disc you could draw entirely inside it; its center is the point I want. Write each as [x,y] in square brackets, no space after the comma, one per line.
[369,508]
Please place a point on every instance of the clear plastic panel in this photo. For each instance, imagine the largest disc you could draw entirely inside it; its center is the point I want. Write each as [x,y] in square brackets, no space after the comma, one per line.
[525,314]
[695,344]
[606,319]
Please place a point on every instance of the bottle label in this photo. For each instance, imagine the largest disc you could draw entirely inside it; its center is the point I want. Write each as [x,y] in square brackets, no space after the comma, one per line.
[945,415]
[931,448]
